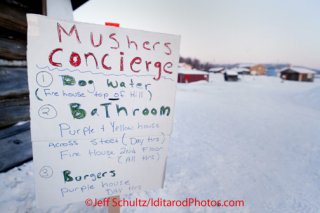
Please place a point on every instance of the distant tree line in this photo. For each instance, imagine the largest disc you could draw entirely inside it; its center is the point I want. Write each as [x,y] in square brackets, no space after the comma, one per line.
[196,63]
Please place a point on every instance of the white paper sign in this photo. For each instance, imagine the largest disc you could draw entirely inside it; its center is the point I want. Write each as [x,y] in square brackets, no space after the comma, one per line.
[102,106]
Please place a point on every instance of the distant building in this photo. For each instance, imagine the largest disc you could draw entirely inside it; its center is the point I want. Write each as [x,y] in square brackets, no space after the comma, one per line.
[185,66]
[231,75]
[241,70]
[258,69]
[245,65]
[188,76]
[297,74]
[216,69]
[271,71]
[253,69]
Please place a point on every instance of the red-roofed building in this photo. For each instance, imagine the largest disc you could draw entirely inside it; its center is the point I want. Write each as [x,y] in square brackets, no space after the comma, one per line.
[188,76]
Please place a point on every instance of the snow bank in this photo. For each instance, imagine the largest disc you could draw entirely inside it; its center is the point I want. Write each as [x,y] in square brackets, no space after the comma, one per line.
[255,140]
[310,98]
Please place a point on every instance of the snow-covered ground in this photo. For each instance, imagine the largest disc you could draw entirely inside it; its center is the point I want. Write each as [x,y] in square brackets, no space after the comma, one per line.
[256,140]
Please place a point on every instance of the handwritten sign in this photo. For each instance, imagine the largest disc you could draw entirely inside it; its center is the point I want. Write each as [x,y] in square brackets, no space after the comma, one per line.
[102,106]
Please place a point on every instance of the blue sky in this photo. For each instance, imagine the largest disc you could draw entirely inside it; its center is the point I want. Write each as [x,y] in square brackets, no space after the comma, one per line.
[223,31]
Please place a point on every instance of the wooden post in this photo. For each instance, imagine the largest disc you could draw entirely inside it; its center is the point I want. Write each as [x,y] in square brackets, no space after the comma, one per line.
[114,209]
[44,7]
